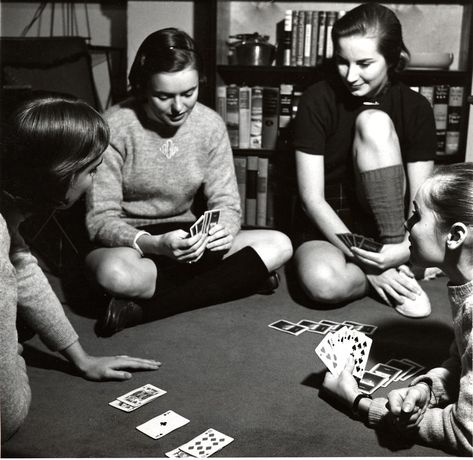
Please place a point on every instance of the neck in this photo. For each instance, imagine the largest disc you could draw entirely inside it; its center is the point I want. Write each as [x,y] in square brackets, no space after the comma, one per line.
[461,273]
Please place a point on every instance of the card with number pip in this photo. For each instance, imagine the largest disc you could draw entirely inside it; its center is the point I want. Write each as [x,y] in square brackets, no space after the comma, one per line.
[206,444]
[336,347]
[141,395]
[205,222]
[163,424]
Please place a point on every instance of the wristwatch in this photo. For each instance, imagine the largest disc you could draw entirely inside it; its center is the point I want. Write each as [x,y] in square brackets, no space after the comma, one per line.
[356,403]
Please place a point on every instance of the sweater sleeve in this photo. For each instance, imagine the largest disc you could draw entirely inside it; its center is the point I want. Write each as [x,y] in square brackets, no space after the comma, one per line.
[104,217]
[15,393]
[220,185]
[38,305]
[448,423]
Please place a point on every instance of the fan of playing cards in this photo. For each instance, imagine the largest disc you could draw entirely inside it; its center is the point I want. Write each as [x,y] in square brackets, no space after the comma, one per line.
[336,347]
[359,241]
[205,221]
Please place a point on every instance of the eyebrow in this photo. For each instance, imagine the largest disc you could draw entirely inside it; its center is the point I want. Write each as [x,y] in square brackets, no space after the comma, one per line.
[173,94]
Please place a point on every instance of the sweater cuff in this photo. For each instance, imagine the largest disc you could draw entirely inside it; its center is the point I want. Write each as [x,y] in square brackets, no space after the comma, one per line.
[377,411]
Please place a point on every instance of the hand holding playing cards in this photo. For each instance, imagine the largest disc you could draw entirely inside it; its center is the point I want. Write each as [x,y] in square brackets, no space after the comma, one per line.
[408,405]
[179,246]
[344,387]
[219,238]
[390,255]
[107,367]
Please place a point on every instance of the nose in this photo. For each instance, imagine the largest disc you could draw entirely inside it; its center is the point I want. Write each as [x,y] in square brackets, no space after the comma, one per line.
[352,73]
[177,105]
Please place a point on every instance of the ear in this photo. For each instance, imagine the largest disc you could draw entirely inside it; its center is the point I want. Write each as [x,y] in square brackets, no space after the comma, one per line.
[456,236]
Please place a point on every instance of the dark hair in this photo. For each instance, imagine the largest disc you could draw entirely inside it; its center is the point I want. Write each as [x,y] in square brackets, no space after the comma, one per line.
[48,141]
[373,18]
[166,50]
[449,193]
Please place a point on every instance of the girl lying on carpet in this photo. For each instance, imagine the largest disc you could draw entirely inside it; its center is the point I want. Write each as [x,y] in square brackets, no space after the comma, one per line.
[364,143]
[52,148]
[437,408]
[169,160]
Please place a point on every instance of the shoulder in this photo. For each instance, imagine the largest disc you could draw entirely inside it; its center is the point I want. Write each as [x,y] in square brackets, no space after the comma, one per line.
[410,98]
[122,114]
[4,237]
[206,118]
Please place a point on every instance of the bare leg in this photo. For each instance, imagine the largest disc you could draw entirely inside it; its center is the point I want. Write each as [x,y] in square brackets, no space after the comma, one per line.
[326,276]
[122,272]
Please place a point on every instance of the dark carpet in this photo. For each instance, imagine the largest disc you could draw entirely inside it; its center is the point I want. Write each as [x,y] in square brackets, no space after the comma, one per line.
[223,368]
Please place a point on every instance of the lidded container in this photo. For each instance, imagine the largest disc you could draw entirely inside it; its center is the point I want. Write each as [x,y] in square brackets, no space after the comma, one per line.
[252,49]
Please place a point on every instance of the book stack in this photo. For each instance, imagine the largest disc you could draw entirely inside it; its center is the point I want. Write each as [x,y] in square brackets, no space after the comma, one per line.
[258,117]
[447,102]
[253,175]
[304,37]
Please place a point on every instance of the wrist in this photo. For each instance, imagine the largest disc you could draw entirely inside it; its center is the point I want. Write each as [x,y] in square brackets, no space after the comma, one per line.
[360,404]
[76,355]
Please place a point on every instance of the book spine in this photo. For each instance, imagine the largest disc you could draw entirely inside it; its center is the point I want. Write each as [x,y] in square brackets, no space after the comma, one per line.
[251,189]
[233,115]
[222,102]
[285,112]
[455,106]
[294,38]
[270,197]
[283,39]
[240,172]
[296,96]
[428,93]
[321,37]
[300,38]
[256,126]
[331,18]
[244,101]
[269,133]
[262,192]
[315,36]
[307,38]
[440,115]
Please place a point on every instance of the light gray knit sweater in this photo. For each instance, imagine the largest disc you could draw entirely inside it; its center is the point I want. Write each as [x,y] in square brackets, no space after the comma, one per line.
[25,290]
[148,178]
[448,422]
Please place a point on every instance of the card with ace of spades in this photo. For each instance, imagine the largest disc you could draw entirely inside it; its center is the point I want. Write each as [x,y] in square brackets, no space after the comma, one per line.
[163,424]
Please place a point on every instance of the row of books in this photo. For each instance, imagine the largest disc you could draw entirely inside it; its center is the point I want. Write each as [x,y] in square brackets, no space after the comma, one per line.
[254,176]
[304,37]
[448,105]
[257,117]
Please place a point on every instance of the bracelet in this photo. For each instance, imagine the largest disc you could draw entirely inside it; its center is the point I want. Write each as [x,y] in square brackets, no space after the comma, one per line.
[356,403]
[135,241]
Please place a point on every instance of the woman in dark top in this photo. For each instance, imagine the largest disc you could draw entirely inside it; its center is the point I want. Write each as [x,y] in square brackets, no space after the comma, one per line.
[364,143]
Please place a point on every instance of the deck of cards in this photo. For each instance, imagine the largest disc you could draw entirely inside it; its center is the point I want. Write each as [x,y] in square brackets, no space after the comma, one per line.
[336,347]
[359,241]
[205,222]
[382,374]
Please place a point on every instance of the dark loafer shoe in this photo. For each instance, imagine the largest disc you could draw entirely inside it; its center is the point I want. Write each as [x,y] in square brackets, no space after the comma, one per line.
[270,285]
[120,313]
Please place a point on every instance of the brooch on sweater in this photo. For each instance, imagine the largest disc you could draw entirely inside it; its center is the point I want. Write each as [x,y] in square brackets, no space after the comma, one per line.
[169,149]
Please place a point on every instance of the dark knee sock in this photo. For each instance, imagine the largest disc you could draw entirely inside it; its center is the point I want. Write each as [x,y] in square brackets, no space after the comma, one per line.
[384,191]
[237,276]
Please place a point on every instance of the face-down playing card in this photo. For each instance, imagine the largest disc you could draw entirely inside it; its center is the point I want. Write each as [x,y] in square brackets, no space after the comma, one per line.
[206,444]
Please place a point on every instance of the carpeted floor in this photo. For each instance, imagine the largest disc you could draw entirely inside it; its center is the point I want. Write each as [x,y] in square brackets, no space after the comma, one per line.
[222,368]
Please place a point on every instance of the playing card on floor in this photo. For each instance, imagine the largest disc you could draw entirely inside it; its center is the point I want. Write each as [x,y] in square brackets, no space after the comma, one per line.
[163,424]
[141,395]
[206,444]
[177,453]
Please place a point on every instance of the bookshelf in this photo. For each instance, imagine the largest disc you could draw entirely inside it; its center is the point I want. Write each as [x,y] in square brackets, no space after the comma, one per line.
[228,17]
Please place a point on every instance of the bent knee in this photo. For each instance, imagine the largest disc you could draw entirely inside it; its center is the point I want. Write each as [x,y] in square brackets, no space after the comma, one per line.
[283,245]
[322,283]
[374,124]
[114,275]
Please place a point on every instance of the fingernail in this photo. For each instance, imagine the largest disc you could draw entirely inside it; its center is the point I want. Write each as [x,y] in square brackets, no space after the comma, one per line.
[407,408]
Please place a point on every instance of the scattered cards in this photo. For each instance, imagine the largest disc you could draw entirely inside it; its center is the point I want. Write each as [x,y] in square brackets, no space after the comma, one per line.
[205,221]
[163,424]
[136,398]
[177,453]
[288,327]
[206,444]
[359,241]
[336,347]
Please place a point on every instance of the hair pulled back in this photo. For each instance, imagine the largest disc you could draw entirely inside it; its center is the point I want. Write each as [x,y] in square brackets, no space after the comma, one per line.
[373,19]
[166,50]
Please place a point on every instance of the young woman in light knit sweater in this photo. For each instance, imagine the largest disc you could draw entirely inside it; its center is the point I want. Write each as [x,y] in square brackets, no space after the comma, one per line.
[52,146]
[170,159]
[437,408]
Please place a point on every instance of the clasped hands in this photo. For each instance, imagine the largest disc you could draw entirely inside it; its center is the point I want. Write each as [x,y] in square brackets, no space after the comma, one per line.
[406,406]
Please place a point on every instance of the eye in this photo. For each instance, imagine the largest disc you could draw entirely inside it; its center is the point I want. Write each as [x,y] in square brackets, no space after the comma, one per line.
[189,93]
